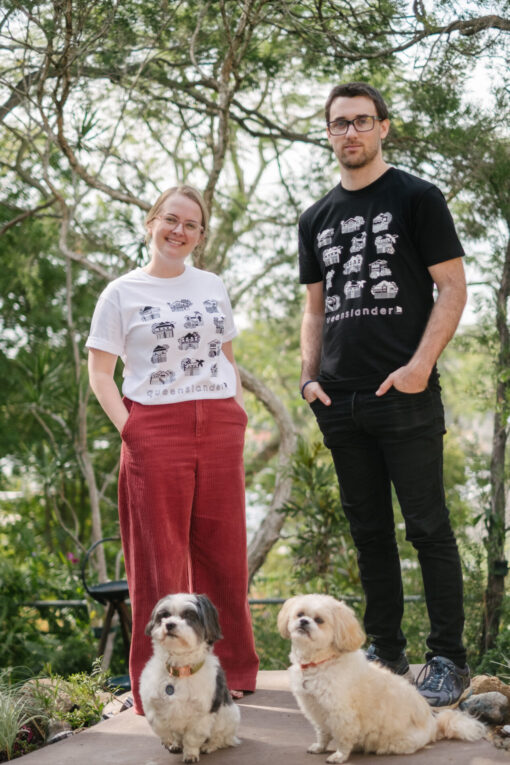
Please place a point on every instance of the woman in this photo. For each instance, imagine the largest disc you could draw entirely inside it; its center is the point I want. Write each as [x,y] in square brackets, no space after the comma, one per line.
[182,423]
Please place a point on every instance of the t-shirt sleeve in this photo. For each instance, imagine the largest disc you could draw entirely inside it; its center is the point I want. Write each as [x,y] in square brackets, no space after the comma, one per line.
[309,268]
[230,327]
[435,236]
[106,330]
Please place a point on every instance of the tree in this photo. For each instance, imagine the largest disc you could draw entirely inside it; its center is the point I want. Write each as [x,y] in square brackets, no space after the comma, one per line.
[104,101]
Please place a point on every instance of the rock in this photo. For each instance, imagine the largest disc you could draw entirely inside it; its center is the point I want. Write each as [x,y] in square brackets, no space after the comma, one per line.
[489,707]
[57,730]
[118,704]
[488,683]
[51,690]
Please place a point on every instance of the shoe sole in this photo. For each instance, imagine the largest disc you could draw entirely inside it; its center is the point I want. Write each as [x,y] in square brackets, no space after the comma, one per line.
[464,695]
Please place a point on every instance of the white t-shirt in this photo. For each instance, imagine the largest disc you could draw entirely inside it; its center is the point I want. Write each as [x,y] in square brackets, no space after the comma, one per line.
[168,333]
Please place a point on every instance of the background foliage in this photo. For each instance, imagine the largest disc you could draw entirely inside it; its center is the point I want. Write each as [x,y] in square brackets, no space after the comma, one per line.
[103,105]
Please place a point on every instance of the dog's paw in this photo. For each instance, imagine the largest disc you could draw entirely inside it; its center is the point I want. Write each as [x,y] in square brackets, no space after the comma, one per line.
[316,748]
[337,756]
[173,748]
[190,757]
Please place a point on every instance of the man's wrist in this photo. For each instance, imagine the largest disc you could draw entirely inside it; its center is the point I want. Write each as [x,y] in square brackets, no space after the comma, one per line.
[307,382]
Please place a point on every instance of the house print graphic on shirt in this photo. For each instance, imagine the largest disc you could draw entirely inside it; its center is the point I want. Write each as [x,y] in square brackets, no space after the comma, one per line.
[353,289]
[191,340]
[159,354]
[358,241]
[352,224]
[163,329]
[191,367]
[214,370]
[384,290]
[211,306]
[162,377]
[180,305]
[329,278]
[214,348]
[325,237]
[379,268]
[149,313]
[332,303]
[384,244]
[353,265]
[381,222]
[331,256]
[195,320]
[219,323]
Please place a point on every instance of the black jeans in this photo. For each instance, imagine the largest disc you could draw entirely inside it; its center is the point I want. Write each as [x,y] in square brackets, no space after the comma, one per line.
[397,438]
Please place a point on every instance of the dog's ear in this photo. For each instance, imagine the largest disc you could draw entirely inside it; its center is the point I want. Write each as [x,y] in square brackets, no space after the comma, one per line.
[347,632]
[151,622]
[210,619]
[283,617]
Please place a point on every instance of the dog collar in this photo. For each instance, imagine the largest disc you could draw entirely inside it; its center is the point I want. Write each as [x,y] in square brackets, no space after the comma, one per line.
[185,671]
[316,663]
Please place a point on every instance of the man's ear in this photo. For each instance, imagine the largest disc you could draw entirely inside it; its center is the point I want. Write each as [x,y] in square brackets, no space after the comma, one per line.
[385,128]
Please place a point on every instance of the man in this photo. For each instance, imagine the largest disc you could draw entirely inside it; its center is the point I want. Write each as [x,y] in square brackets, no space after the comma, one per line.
[370,252]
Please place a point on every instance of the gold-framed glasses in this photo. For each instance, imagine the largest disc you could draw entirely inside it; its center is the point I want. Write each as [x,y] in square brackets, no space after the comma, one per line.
[189,226]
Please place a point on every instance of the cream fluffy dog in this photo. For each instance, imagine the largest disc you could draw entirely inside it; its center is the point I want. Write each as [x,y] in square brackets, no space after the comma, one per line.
[356,704]
[183,689]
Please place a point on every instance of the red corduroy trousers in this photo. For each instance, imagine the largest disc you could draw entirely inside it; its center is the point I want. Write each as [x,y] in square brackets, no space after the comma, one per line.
[183,526]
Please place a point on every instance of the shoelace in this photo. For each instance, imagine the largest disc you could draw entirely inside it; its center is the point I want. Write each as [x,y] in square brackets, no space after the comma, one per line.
[437,674]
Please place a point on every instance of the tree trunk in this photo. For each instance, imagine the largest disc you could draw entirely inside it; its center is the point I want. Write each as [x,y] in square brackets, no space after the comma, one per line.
[497,567]
[269,530]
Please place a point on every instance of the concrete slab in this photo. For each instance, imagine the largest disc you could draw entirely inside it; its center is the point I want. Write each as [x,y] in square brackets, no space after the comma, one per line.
[273,731]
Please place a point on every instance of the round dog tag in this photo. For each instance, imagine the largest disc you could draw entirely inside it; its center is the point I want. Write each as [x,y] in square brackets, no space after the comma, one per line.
[170,690]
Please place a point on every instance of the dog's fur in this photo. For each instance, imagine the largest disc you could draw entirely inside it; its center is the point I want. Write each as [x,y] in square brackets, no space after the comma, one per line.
[199,715]
[352,702]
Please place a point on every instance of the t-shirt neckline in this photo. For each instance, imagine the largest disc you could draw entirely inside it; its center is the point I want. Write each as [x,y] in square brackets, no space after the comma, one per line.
[367,189]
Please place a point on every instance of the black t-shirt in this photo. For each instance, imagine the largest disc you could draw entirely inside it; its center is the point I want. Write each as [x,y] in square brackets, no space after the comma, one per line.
[372,248]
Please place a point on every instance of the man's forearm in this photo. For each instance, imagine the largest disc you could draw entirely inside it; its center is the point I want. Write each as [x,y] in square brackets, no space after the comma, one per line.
[311,345]
[443,321]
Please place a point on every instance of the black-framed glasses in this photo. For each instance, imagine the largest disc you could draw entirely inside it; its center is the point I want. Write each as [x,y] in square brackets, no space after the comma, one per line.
[172,221]
[362,124]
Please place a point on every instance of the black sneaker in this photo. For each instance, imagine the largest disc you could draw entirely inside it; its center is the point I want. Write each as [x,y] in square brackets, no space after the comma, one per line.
[399,666]
[442,683]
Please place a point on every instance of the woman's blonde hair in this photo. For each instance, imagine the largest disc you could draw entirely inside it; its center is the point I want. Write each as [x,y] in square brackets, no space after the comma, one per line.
[186,191]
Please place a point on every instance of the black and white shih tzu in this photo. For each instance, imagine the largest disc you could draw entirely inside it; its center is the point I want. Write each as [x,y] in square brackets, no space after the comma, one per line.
[183,687]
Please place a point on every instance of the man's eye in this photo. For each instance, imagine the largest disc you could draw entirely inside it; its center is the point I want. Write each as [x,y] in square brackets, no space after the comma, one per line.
[340,123]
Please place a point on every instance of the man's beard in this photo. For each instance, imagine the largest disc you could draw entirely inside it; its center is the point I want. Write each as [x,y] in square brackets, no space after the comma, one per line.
[361,160]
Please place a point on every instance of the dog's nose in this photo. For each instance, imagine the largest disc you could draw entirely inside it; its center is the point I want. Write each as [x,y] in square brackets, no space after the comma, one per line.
[170,626]
[303,622]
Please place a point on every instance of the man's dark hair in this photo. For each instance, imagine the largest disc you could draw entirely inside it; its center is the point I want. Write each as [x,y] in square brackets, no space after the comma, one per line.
[351,89]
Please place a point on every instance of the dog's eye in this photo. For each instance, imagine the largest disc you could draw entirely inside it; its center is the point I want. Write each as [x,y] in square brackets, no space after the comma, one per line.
[318,620]
[163,614]
[189,614]
[300,614]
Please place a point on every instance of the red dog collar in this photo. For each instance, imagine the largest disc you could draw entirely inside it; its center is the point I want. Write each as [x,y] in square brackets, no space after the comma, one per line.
[316,663]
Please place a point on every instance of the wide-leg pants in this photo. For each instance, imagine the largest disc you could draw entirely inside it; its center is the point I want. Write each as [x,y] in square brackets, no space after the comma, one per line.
[397,439]
[183,526]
